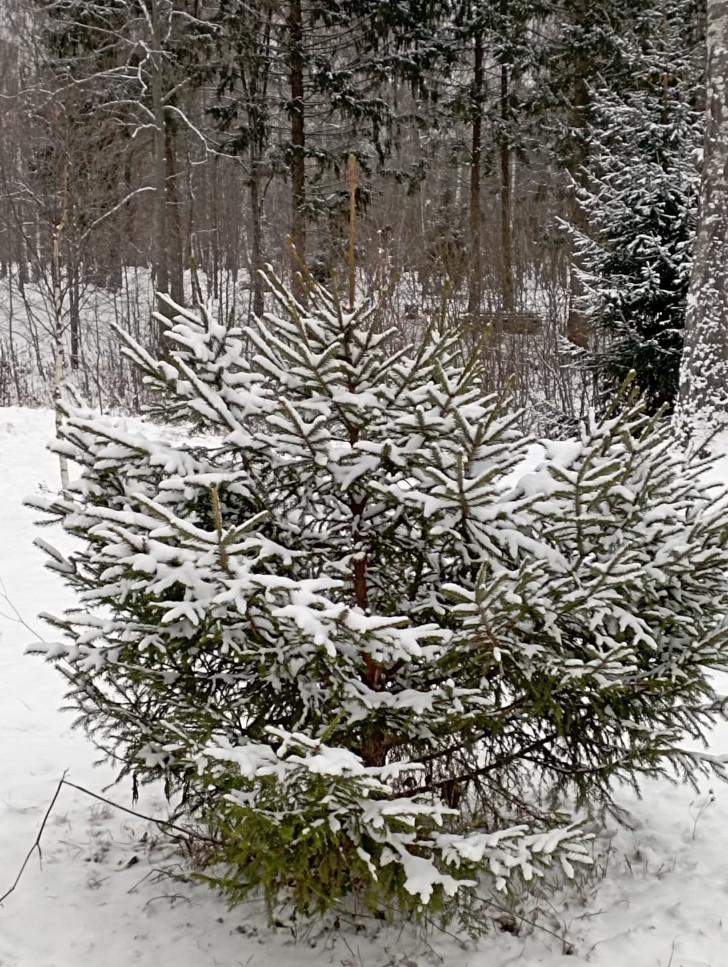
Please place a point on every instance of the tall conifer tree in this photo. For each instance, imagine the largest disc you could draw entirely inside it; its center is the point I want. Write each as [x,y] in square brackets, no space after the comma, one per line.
[639,208]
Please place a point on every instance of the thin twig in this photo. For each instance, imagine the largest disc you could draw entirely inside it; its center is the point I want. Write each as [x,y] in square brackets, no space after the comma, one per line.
[133,812]
[672,951]
[18,616]
[168,896]
[531,923]
[124,809]
[36,844]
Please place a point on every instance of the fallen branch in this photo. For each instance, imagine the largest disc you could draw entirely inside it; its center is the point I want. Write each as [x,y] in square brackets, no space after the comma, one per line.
[161,823]
[36,844]
[133,812]
[18,616]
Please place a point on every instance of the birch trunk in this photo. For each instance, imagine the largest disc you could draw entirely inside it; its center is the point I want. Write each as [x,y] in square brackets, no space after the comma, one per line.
[703,395]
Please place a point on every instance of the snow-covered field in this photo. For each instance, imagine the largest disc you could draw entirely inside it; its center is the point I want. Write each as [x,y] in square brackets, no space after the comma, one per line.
[110,892]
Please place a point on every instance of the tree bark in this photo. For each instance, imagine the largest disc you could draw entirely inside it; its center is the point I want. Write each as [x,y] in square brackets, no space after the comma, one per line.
[175,264]
[576,327]
[506,202]
[476,157]
[161,263]
[256,214]
[74,297]
[59,349]
[298,131]
[703,395]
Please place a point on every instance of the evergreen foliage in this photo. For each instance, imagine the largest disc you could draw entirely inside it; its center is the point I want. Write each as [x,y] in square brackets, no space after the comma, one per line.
[326,613]
[640,204]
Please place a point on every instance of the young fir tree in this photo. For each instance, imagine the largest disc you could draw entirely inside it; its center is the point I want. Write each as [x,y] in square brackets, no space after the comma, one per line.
[325,613]
[639,208]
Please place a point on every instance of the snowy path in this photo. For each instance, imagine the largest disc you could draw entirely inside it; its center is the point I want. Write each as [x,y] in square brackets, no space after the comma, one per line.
[100,900]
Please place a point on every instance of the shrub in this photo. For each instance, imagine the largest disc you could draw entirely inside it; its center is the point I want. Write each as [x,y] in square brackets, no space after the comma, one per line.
[332,616]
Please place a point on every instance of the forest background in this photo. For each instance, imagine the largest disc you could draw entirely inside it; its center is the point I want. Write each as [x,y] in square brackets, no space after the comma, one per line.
[531,164]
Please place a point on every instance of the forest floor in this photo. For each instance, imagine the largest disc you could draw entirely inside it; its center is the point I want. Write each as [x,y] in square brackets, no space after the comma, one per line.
[111,892]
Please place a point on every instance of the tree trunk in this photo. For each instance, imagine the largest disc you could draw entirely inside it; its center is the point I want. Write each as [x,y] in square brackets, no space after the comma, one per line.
[703,395]
[74,296]
[175,264]
[298,131]
[506,202]
[59,351]
[475,282]
[256,214]
[161,262]
[576,327]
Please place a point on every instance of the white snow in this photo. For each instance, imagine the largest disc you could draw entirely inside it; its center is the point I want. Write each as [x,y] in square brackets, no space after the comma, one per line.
[112,891]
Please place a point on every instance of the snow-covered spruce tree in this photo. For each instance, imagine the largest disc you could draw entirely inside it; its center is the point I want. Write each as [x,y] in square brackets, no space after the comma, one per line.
[639,202]
[373,664]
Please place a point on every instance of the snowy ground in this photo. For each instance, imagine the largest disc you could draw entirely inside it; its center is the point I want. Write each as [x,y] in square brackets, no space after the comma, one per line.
[110,892]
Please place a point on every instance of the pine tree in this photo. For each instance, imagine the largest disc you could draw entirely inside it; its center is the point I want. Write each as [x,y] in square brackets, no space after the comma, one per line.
[639,206]
[325,614]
